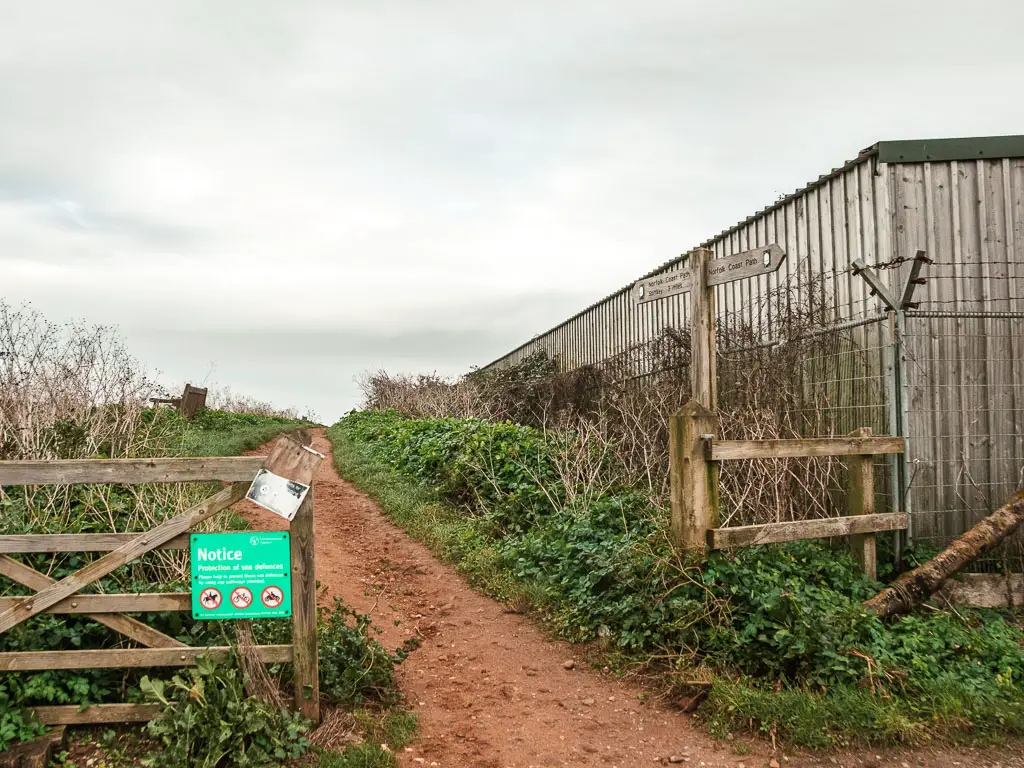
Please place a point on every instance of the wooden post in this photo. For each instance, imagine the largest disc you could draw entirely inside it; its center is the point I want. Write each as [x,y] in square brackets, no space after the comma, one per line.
[703,386]
[861,501]
[305,661]
[693,479]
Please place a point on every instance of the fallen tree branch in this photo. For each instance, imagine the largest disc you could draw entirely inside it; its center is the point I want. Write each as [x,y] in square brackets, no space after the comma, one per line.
[914,587]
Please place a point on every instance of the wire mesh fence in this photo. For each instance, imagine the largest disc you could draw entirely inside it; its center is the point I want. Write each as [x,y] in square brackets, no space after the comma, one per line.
[810,379]
[965,378]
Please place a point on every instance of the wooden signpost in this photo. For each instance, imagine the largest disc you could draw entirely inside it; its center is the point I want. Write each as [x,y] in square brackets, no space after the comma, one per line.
[759,261]
[695,451]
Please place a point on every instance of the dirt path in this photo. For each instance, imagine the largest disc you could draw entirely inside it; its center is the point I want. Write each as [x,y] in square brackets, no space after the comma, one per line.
[489,688]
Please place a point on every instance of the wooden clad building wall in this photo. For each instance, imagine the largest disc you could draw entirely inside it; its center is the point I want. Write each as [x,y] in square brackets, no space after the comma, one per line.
[962,201]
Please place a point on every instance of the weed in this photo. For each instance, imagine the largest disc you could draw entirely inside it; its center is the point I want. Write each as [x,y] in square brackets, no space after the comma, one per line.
[208,717]
[365,755]
[354,667]
[385,735]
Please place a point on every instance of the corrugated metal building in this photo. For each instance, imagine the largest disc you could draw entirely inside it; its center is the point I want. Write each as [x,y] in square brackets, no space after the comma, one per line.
[961,405]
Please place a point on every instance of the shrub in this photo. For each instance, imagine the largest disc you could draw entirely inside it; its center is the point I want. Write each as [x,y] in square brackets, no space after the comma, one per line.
[15,722]
[209,721]
[354,667]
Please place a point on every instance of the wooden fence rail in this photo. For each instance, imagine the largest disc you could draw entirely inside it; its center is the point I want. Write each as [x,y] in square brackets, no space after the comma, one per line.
[727,450]
[694,454]
[65,596]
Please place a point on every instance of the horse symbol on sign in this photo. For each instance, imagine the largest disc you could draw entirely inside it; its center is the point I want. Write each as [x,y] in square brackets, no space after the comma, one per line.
[209,598]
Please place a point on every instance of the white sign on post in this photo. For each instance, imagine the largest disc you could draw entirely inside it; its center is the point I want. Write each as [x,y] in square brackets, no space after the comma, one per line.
[285,478]
[759,261]
[277,494]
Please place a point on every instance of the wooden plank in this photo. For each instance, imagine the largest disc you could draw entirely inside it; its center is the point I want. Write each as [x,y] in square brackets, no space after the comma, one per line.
[727,450]
[758,261]
[229,469]
[113,658]
[693,480]
[129,627]
[192,400]
[877,286]
[774,533]
[291,459]
[78,542]
[914,279]
[30,606]
[860,501]
[305,668]
[117,603]
[97,713]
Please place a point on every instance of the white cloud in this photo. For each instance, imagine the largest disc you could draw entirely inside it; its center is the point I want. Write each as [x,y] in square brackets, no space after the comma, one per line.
[386,168]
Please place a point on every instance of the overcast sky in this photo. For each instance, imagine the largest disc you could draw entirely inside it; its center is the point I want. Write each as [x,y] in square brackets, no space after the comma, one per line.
[278,196]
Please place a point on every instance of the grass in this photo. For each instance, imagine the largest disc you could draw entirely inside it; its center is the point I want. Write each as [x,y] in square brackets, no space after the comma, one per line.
[221,433]
[844,714]
[385,736]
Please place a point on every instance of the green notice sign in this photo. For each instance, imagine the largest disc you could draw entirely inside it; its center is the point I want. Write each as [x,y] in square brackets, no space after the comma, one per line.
[241,575]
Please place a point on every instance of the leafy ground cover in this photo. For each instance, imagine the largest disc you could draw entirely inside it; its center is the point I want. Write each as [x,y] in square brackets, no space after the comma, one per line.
[779,629]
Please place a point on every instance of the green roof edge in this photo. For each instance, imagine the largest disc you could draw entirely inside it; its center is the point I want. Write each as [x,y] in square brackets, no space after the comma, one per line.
[947,150]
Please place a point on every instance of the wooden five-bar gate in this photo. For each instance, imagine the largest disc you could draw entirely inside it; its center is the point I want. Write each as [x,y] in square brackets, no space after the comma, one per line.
[157,649]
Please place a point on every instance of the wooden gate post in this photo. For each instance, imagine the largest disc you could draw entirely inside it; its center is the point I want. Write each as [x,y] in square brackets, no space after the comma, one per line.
[703,385]
[305,659]
[693,478]
[861,501]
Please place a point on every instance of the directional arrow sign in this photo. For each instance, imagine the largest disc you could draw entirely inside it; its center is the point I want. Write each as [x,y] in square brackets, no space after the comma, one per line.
[662,286]
[759,261]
